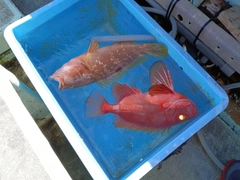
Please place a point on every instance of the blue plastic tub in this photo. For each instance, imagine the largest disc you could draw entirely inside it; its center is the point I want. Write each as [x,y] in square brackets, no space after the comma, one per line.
[46,39]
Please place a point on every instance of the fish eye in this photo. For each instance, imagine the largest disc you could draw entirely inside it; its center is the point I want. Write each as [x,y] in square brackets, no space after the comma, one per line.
[181,117]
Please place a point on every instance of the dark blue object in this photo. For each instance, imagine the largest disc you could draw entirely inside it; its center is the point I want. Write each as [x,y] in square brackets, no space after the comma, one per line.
[231,170]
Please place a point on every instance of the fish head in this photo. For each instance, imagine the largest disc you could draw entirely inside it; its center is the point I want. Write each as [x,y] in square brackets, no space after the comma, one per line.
[181,110]
[72,74]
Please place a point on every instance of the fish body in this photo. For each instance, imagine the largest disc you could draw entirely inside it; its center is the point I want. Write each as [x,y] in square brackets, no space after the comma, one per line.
[159,108]
[103,65]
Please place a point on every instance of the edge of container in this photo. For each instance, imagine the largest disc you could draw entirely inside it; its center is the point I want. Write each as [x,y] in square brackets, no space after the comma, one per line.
[70,132]
[194,126]
[74,138]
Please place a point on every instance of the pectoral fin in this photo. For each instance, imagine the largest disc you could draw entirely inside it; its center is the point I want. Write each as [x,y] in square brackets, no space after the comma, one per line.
[110,79]
[122,71]
[159,89]
[166,129]
[120,123]
[159,74]
[139,60]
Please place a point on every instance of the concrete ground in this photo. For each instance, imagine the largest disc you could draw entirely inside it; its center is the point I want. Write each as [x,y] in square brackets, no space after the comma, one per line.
[25,152]
[18,160]
[17,157]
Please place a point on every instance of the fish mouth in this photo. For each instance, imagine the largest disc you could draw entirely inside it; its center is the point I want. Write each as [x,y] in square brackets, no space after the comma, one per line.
[59,80]
[66,74]
[54,77]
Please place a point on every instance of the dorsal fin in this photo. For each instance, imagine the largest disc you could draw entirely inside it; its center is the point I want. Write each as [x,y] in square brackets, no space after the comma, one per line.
[159,74]
[93,47]
[122,90]
[159,89]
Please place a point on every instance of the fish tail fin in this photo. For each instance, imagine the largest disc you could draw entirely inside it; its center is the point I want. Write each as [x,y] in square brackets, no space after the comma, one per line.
[156,50]
[94,104]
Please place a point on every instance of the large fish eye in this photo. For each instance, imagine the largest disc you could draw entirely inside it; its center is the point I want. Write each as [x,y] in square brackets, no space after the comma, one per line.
[181,117]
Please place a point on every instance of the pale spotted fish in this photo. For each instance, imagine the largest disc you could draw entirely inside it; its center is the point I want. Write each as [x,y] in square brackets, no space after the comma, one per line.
[104,65]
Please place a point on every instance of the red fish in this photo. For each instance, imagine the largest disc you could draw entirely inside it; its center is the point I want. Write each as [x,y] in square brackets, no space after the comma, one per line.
[104,65]
[159,108]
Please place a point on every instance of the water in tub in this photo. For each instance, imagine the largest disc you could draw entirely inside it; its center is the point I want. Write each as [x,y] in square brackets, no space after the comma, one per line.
[117,150]
[104,65]
[109,142]
[112,142]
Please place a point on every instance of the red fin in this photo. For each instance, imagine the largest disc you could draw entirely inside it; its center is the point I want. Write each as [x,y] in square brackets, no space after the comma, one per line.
[120,123]
[159,89]
[159,74]
[166,129]
[122,90]
[94,104]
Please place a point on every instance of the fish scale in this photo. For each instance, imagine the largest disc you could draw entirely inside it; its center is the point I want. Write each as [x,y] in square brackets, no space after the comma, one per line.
[105,65]
[159,108]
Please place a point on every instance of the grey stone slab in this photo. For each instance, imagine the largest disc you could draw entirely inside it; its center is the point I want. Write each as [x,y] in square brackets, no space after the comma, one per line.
[17,160]
[223,141]
[28,6]
[8,14]
[190,161]
[24,152]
